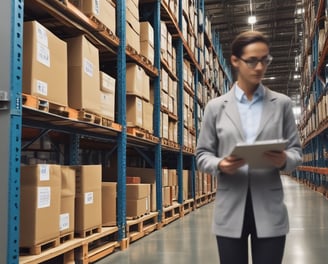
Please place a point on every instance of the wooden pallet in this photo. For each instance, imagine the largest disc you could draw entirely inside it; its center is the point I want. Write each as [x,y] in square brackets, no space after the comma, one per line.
[66,237]
[136,132]
[88,232]
[145,60]
[171,213]
[138,228]
[97,246]
[188,206]
[82,250]
[42,104]
[132,51]
[37,249]
[201,200]
[106,122]
[87,116]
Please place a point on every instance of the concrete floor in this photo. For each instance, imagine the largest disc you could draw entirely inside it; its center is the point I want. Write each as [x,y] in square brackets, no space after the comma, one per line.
[188,240]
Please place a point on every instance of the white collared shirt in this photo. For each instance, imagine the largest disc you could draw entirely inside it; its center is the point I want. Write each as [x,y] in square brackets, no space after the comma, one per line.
[250,111]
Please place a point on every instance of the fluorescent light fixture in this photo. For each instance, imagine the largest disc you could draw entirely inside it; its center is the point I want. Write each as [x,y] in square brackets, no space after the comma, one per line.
[252,20]
[297,76]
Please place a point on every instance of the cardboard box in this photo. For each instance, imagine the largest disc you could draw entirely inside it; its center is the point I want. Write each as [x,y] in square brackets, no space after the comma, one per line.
[185,175]
[137,199]
[137,191]
[39,204]
[83,75]
[137,208]
[67,203]
[132,13]
[88,206]
[107,95]
[132,37]
[147,116]
[135,79]
[165,125]
[147,33]
[167,196]
[44,59]
[147,51]
[109,195]
[107,105]
[147,175]
[107,82]
[102,10]
[134,111]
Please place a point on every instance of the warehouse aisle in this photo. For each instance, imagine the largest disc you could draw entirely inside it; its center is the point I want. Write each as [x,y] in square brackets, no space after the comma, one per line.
[189,240]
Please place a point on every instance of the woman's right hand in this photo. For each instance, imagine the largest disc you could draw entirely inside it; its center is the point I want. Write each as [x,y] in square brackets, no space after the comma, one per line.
[230,164]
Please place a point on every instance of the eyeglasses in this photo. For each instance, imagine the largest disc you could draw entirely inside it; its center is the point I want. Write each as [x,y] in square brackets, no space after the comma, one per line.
[252,63]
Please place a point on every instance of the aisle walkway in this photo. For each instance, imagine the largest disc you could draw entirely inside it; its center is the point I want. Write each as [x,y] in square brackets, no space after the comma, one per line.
[189,241]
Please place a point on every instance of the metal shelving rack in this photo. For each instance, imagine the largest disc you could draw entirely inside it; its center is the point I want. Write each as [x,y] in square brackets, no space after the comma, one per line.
[10,118]
[314,169]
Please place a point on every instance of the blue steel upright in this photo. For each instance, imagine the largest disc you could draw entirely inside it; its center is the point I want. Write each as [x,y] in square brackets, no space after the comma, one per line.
[11,30]
[157,106]
[179,54]
[121,115]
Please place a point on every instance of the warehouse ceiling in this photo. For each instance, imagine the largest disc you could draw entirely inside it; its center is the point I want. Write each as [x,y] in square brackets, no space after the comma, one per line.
[281,24]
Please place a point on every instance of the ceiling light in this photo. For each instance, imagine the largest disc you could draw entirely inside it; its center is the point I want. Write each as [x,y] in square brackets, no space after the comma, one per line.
[297,76]
[252,20]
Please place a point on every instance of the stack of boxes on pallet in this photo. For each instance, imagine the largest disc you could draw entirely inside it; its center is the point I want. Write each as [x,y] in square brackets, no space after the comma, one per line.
[66,72]
[59,203]
[205,184]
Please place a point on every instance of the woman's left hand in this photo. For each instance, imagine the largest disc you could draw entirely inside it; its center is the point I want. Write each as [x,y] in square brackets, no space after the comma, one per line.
[276,158]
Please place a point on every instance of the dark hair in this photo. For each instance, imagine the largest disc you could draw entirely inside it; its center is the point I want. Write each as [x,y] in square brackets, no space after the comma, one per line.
[244,39]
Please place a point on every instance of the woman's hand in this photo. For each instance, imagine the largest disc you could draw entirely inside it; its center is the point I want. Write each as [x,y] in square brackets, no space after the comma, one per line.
[230,164]
[276,158]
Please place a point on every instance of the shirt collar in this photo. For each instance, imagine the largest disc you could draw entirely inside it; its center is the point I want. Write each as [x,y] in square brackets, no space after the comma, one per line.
[241,97]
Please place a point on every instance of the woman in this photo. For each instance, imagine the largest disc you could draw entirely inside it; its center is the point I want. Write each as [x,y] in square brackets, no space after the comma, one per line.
[249,202]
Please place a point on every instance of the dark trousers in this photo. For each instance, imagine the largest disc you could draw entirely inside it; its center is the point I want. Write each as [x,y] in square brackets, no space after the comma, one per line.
[264,250]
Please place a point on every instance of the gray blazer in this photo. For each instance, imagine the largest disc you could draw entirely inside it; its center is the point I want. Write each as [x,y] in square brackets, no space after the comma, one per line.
[221,130]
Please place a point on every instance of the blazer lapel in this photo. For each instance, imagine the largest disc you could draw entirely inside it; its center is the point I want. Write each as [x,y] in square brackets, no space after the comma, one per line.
[232,112]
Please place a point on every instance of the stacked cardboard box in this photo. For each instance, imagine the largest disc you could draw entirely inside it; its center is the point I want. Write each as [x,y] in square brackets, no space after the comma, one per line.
[107,94]
[88,207]
[39,204]
[147,176]
[137,200]
[147,41]
[109,195]
[45,58]
[83,75]
[67,202]
[104,11]
[138,106]
[132,24]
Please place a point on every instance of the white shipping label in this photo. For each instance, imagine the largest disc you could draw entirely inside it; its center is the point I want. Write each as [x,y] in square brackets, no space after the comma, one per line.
[42,87]
[43,54]
[88,67]
[88,198]
[44,196]
[96,7]
[44,172]
[41,35]
[63,221]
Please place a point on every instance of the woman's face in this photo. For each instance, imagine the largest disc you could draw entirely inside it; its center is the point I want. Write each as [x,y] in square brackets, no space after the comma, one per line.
[252,64]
